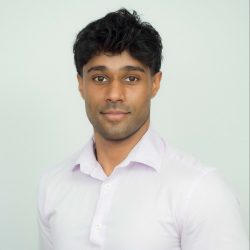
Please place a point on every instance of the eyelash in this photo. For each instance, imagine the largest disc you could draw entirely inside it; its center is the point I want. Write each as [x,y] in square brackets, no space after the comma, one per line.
[106,79]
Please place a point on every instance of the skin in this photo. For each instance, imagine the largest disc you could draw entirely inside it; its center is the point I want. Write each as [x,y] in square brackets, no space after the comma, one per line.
[117,90]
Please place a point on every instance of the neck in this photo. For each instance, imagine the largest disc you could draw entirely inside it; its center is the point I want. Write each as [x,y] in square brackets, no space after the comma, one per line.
[110,153]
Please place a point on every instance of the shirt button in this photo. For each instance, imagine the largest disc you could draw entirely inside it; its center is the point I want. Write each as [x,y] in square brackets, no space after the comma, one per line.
[98,226]
[107,186]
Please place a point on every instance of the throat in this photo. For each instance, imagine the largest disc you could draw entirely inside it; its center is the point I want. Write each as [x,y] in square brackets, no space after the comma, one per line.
[110,156]
[110,153]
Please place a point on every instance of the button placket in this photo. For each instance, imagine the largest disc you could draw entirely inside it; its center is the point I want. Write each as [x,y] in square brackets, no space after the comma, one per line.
[102,210]
[107,186]
[98,226]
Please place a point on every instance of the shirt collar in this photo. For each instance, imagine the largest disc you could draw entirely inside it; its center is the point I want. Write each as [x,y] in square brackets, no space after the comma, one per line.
[86,160]
[148,151]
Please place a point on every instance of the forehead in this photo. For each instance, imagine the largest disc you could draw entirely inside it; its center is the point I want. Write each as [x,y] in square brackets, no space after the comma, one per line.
[114,62]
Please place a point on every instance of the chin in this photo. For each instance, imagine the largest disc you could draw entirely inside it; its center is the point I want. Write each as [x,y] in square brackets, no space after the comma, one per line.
[118,134]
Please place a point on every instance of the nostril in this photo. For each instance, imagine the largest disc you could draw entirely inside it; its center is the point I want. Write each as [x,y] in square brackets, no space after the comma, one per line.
[113,100]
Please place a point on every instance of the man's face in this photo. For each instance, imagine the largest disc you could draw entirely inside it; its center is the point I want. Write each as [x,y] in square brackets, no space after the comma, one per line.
[117,90]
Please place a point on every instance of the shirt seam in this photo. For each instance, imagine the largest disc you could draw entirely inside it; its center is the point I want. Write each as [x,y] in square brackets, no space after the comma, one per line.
[192,189]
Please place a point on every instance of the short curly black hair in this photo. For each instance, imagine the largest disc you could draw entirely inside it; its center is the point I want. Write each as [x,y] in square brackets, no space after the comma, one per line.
[117,32]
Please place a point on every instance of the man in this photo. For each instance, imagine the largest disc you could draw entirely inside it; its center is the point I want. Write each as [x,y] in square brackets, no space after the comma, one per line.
[127,189]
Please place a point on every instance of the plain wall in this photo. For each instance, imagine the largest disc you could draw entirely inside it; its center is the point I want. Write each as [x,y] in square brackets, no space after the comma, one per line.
[202,106]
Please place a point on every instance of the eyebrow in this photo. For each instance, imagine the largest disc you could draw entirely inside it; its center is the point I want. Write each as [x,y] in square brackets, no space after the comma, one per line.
[125,68]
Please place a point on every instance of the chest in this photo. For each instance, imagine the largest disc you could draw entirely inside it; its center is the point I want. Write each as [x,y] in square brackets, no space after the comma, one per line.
[116,214]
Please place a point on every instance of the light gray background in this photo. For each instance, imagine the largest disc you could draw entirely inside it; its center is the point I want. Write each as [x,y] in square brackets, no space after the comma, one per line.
[201,108]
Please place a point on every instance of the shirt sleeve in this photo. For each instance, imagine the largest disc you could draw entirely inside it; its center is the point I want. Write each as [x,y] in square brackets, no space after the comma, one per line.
[45,241]
[211,217]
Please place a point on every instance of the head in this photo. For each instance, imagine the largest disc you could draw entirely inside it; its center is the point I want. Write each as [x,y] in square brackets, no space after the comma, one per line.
[118,60]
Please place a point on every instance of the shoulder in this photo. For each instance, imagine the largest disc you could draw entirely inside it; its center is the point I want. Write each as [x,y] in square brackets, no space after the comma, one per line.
[182,168]
[188,179]
[198,190]
[53,175]
[54,182]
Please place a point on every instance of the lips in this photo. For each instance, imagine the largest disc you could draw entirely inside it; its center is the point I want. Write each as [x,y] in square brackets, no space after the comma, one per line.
[115,115]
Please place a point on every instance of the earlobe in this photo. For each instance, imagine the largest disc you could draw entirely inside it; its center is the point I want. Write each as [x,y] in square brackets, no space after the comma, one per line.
[156,83]
[80,85]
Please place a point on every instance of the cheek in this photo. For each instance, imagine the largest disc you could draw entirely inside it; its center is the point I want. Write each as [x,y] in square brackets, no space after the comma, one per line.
[94,95]
[93,104]
[89,105]
[141,99]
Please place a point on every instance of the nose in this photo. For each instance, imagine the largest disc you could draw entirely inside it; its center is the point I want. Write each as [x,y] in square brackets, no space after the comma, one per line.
[115,92]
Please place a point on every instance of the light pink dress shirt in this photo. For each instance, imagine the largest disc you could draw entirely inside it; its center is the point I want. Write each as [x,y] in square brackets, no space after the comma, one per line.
[156,199]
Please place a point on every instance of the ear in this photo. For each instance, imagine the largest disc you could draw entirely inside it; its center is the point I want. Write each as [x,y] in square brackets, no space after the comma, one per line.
[81,85]
[156,82]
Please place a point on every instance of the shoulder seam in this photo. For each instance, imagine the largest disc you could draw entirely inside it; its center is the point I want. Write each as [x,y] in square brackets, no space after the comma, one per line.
[193,187]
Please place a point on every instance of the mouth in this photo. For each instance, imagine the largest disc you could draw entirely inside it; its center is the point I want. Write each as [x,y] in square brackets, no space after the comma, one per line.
[115,115]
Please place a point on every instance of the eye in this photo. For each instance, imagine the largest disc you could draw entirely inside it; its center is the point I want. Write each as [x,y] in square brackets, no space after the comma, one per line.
[100,79]
[131,79]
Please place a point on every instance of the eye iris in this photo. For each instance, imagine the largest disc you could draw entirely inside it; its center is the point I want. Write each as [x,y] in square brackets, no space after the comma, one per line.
[131,78]
[100,78]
